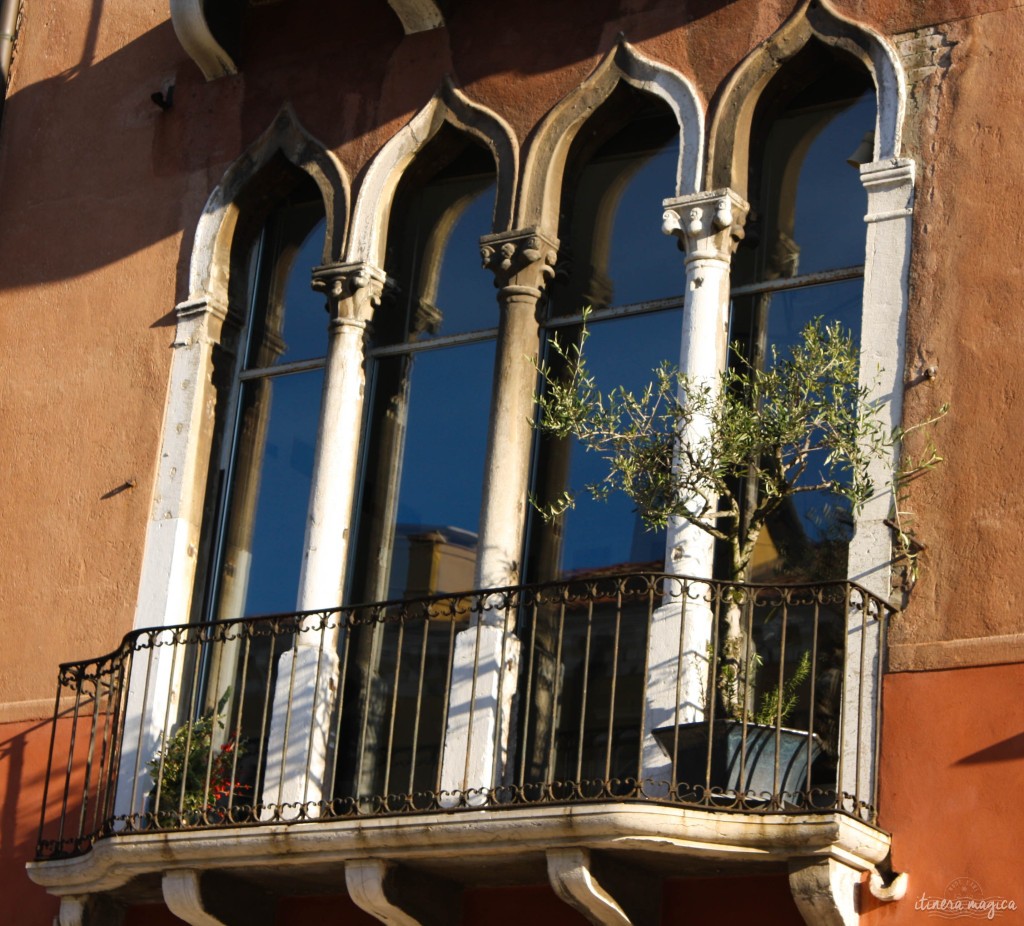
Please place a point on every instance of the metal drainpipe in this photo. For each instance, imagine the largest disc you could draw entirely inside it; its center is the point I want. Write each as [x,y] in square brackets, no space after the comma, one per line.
[9,10]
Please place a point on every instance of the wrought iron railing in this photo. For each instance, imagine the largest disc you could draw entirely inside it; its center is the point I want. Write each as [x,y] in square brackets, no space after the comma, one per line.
[587,695]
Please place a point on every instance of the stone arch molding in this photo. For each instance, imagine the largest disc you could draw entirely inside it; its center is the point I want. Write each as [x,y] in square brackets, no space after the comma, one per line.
[729,140]
[368,234]
[208,271]
[545,163]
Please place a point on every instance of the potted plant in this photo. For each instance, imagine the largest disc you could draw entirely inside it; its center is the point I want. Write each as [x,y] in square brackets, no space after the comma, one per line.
[192,776]
[727,456]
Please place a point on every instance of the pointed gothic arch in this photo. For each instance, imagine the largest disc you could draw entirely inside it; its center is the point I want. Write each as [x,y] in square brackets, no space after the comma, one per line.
[286,137]
[545,161]
[729,136]
[376,192]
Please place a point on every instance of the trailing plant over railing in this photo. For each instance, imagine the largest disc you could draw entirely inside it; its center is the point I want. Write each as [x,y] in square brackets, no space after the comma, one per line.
[191,773]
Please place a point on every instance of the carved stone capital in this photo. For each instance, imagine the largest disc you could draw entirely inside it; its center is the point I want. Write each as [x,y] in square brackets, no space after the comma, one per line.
[709,225]
[522,260]
[353,291]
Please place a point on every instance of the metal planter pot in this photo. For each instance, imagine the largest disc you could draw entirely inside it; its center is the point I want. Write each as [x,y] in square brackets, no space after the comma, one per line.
[748,773]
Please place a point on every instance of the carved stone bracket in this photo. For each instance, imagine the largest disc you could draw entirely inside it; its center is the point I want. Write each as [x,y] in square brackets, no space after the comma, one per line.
[825,891]
[193,31]
[417,15]
[522,261]
[210,898]
[402,898]
[184,898]
[89,910]
[604,895]
[353,291]
[709,225]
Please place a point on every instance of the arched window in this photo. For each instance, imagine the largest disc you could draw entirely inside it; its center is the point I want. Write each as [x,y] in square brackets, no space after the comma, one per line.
[270,426]
[431,363]
[617,263]
[802,259]
[430,370]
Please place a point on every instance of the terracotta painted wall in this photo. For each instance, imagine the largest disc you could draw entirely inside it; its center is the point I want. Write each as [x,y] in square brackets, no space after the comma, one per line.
[952,767]
[24,748]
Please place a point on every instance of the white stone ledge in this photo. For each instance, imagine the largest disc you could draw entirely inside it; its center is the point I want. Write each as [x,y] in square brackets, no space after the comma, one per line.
[496,837]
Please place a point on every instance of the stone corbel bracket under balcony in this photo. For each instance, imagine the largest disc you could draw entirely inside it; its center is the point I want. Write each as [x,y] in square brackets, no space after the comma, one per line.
[581,849]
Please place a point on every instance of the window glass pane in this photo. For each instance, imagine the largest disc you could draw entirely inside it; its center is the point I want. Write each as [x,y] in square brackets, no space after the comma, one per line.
[617,254]
[464,290]
[435,256]
[290,322]
[266,518]
[808,538]
[606,535]
[816,203]
[424,473]
[643,263]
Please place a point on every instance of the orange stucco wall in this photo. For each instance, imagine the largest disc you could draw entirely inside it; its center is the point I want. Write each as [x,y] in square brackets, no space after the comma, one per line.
[952,764]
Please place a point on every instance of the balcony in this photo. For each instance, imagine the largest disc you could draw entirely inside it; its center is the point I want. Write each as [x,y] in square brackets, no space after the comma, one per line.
[507,723]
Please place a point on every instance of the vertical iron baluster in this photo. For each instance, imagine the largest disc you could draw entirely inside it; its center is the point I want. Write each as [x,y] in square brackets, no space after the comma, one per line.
[614,685]
[89,754]
[236,736]
[106,748]
[859,790]
[555,693]
[716,594]
[419,703]
[527,702]
[49,761]
[777,795]
[746,691]
[79,670]
[812,699]
[586,679]
[190,714]
[841,729]
[684,597]
[447,698]
[497,767]
[343,623]
[881,610]
[394,702]
[645,676]
[263,761]
[472,695]
[142,724]
[289,703]
[316,694]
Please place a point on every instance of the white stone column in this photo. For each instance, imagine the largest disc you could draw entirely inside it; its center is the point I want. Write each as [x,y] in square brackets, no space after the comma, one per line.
[890,188]
[307,675]
[485,665]
[172,539]
[709,226]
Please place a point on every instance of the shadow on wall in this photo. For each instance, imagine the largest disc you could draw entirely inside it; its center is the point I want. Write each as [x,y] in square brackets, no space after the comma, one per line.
[24,748]
[1006,750]
[82,182]
[93,171]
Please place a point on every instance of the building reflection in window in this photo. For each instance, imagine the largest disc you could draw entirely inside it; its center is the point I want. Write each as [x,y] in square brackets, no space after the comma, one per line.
[430,379]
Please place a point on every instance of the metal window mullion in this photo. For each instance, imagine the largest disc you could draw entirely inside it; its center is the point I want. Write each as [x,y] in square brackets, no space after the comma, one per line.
[806,280]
